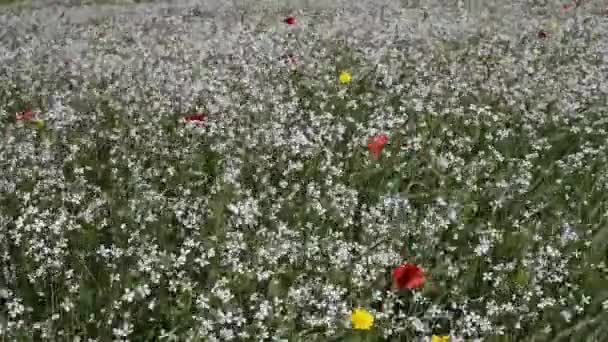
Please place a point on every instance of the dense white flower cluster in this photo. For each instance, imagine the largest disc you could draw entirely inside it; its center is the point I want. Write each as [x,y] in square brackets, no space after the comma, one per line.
[192,170]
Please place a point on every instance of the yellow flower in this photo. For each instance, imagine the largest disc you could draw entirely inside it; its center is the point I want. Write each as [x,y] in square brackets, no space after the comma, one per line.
[345,77]
[40,124]
[436,338]
[362,319]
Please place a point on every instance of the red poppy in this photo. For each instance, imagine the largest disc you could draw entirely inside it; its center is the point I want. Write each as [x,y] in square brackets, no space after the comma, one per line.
[27,115]
[196,118]
[290,20]
[408,276]
[376,145]
[542,34]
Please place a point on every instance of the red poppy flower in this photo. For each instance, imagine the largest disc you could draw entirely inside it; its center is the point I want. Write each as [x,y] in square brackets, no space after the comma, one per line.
[196,118]
[542,34]
[376,145]
[27,115]
[290,20]
[408,276]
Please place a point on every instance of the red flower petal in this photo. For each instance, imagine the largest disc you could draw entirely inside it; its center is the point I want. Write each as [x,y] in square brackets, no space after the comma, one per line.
[290,20]
[408,276]
[376,145]
[195,117]
[27,115]
[381,139]
[198,119]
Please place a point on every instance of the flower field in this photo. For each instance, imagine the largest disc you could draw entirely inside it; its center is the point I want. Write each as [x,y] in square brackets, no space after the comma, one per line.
[304,171]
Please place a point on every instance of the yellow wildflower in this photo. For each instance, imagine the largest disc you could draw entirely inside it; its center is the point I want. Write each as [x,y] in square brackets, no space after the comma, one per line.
[345,77]
[40,124]
[436,338]
[362,319]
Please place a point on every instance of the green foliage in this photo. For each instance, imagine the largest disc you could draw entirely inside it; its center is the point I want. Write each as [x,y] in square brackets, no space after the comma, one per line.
[129,179]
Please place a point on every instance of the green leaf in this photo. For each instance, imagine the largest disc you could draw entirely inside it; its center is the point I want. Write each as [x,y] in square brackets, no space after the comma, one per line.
[521,276]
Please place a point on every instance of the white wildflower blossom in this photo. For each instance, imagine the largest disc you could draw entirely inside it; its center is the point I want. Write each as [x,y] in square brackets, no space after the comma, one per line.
[190,170]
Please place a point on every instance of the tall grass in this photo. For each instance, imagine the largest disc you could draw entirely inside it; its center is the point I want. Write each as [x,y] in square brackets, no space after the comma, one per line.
[120,220]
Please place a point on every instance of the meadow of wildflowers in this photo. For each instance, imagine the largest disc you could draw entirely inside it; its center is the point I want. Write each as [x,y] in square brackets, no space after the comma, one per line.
[303,171]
